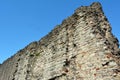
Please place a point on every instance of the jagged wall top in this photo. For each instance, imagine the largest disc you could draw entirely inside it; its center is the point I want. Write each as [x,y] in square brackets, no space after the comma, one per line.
[94,6]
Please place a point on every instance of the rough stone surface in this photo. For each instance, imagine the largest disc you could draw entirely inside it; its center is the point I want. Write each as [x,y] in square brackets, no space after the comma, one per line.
[81,48]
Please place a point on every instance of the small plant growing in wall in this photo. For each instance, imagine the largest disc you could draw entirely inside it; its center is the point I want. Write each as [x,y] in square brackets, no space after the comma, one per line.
[37,54]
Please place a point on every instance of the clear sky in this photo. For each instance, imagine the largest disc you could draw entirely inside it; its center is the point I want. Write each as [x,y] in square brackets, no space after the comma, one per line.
[24,21]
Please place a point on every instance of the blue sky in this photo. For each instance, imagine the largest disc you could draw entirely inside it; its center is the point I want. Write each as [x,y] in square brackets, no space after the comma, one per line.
[24,21]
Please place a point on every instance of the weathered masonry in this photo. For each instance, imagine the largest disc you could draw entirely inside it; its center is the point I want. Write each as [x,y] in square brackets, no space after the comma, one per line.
[81,48]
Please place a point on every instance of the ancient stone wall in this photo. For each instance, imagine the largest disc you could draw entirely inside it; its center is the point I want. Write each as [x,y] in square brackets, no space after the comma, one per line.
[81,48]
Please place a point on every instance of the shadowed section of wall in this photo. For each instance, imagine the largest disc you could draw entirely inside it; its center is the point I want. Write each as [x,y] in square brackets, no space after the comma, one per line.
[81,48]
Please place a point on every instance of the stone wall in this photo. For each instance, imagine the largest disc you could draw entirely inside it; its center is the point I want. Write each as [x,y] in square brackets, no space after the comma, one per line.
[81,48]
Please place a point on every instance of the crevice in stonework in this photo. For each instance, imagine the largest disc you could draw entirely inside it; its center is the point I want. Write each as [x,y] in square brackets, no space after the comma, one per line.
[116,71]
[66,62]
[56,77]
[67,41]
[106,64]
[16,67]
[74,45]
[15,72]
